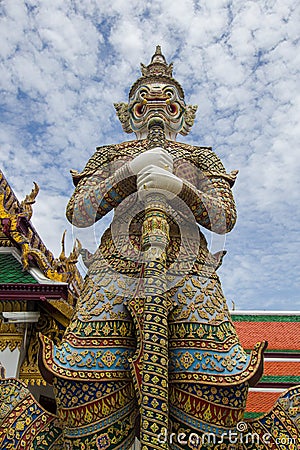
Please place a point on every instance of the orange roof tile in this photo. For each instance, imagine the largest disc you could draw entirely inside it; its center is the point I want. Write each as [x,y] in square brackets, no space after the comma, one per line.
[261,401]
[281,368]
[280,335]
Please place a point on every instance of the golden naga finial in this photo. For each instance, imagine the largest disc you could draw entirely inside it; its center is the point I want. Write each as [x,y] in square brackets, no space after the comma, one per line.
[64,263]
[65,266]
[62,255]
[29,200]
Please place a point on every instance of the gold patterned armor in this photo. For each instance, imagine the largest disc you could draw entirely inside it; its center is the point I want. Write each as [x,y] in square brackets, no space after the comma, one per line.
[152,341]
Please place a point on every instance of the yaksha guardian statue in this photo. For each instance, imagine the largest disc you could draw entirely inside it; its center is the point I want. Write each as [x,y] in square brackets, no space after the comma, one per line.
[151,351]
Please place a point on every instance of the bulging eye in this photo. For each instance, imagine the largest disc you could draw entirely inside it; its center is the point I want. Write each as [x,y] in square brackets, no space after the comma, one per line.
[143,93]
[139,109]
[173,108]
[169,92]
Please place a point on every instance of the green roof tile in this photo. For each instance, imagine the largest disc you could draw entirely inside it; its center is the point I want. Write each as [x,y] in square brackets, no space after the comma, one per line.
[252,415]
[280,379]
[11,271]
[265,318]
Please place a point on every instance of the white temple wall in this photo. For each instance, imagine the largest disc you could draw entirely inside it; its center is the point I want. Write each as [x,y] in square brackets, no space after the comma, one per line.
[10,361]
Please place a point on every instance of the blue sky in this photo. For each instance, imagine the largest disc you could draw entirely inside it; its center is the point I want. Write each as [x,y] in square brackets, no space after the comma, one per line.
[64,63]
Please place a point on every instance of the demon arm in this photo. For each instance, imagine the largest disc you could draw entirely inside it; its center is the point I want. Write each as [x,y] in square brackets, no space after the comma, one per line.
[211,200]
[98,193]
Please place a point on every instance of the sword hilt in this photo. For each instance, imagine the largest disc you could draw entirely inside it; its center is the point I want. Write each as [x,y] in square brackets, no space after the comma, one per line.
[154,377]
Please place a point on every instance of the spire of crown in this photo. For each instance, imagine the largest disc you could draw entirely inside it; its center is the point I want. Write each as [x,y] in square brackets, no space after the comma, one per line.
[157,70]
[156,73]
[158,65]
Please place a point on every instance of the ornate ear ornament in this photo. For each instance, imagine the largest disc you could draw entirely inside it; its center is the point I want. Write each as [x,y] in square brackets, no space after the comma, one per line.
[123,115]
[189,119]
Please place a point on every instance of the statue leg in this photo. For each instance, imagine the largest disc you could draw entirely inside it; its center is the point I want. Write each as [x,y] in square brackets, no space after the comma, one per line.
[92,379]
[96,415]
[208,386]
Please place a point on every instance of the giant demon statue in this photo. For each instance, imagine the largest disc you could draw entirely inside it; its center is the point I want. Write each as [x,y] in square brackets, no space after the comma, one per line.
[152,341]
[151,351]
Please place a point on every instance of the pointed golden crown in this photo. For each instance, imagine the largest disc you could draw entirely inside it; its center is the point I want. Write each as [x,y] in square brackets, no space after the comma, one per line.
[157,70]
[158,65]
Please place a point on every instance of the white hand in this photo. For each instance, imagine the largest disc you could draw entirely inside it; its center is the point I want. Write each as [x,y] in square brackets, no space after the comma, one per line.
[156,178]
[156,156]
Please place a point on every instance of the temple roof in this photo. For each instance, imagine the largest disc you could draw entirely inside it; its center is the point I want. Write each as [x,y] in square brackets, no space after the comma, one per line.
[282,358]
[280,328]
[11,271]
[24,258]
[32,279]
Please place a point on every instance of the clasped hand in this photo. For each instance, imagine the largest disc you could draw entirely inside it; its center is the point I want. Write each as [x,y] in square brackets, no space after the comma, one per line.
[154,172]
